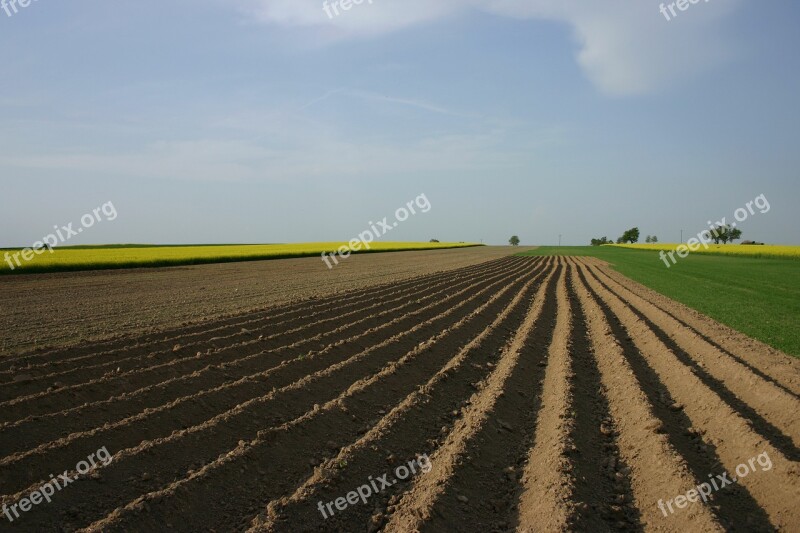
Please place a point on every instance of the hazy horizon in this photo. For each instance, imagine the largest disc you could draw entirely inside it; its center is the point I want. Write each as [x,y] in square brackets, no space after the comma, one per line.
[269,121]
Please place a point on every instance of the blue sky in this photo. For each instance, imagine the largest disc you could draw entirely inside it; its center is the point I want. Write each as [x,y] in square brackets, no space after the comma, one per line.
[212,121]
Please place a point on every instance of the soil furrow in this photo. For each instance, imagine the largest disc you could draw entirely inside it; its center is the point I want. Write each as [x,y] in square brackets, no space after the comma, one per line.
[763,360]
[652,466]
[525,394]
[189,448]
[149,300]
[603,500]
[251,339]
[42,403]
[418,425]
[700,454]
[761,500]
[771,412]
[545,501]
[475,482]
[271,317]
[228,386]
[167,338]
[188,411]
[436,499]
[340,421]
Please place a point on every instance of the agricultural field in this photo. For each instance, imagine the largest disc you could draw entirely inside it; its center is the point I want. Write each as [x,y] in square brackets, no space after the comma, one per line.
[59,259]
[126,303]
[276,266]
[739,250]
[759,296]
[517,393]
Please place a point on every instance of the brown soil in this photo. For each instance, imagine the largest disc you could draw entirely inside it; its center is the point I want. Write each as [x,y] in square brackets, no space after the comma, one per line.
[47,310]
[549,394]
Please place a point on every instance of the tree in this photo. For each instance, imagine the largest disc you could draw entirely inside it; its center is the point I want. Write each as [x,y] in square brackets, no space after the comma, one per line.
[649,239]
[630,236]
[725,233]
[514,240]
[434,240]
[600,242]
[717,233]
[654,239]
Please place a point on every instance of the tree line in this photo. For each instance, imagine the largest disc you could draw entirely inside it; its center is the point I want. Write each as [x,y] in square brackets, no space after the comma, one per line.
[723,233]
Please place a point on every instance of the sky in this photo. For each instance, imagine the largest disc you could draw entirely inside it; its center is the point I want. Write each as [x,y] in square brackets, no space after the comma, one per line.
[267,121]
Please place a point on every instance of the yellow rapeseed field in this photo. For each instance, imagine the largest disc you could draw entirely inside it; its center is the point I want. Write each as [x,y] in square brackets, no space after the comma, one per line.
[124,256]
[769,250]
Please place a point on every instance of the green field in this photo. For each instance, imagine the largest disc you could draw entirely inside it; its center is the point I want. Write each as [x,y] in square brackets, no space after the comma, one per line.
[759,297]
[62,259]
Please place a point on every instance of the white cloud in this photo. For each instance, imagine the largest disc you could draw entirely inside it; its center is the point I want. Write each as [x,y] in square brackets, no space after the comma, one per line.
[625,46]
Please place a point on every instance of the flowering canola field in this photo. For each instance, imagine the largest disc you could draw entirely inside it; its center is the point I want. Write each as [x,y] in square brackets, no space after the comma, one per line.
[106,257]
[741,250]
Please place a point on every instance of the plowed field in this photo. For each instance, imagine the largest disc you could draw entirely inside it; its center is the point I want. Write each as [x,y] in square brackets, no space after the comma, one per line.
[546,393]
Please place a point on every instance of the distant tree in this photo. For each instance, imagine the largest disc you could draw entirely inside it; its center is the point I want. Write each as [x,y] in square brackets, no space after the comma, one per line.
[600,242]
[654,239]
[725,233]
[630,236]
[716,233]
[649,239]
[434,240]
[514,240]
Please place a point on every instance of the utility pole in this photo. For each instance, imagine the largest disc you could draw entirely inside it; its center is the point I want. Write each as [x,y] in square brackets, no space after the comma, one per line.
[681,235]
[559,240]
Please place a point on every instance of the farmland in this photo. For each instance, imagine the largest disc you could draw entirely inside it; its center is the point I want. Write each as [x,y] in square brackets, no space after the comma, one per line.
[737,250]
[60,259]
[548,393]
[277,266]
[759,296]
[128,302]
